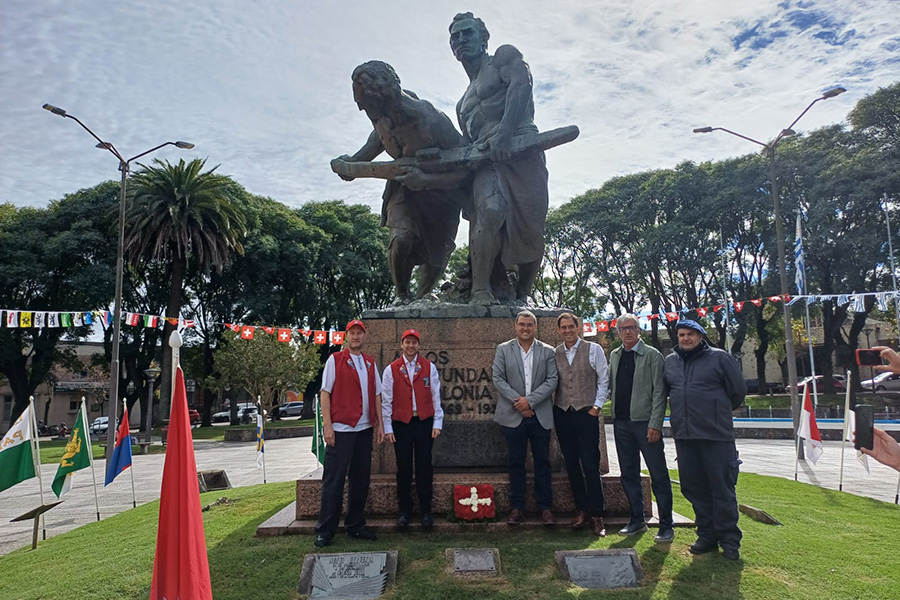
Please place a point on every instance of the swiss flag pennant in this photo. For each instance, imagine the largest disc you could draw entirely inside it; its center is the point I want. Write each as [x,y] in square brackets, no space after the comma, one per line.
[247,332]
[320,337]
[588,330]
[269,330]
[718,307]
[284,335]
[305,333]
[702,311]
[671,316]
[612,323]
[337,338]
[233,326]
[757,302]
[602,326]
[738,306]
[774,298]
[653,316]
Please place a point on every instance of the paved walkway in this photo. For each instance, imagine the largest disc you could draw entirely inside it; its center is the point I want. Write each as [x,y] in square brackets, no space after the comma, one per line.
[289,459]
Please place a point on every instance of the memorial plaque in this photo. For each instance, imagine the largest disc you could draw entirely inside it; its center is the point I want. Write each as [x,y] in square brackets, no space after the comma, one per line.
[475,561]
[347,575]
[601,569]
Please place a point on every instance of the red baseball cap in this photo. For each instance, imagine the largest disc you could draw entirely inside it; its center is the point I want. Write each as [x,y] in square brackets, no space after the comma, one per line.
[411,332]
[354,323]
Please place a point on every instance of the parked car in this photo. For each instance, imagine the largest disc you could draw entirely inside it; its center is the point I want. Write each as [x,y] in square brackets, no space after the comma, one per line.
[194,415]
[222,417]
[291,409]
[100,425]
[820,384]
[773,387]
[248,415]
[883,382]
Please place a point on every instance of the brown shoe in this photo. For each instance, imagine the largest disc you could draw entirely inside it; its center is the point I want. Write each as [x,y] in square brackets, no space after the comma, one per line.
[580,520]
[515,517]
[598,527]
[547,517]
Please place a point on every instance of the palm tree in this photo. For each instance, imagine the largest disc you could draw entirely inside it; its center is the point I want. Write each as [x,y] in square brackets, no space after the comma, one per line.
[185,217]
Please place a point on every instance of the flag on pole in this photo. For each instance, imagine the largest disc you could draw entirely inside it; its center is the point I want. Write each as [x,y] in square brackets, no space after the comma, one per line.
[808,429]
[17,451]
[799,266]
[181,566]
[588,329]
[121,456]
[318,441]
[260,439]
[76,457]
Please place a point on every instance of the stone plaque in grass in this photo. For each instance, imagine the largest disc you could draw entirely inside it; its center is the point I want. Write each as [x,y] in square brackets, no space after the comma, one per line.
[484,562]
[601,569]
[348,575]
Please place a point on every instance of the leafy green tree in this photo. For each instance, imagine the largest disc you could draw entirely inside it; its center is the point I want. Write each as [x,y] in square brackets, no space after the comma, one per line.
[263,366]
[878,117]
[183,216]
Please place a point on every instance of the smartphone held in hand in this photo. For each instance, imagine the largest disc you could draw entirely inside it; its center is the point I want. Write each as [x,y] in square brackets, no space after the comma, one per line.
[865,421]
[868,358]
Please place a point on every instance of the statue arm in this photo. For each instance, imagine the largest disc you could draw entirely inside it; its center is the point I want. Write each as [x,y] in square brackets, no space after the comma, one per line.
[515,73]
[370,150]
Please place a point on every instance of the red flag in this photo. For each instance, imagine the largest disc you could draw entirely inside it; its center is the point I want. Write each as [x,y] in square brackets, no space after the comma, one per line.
[738,306]
[188,322]
[305,333]
[808,428]
[702,312]
[247,332]
[284,335]
[718,307]
[233,326]
[774,298]
[602,326]
[133,318]
[320,337]
[613,323]
[337,338]
[181,567]
[672,316]
[269,330]
[757,302]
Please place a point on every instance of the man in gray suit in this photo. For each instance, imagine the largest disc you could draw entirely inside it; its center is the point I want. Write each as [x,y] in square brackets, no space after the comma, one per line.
[525,376]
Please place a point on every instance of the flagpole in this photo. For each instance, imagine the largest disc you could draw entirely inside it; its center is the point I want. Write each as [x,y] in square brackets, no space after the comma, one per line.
[797,448]
[801,266]
[887,220]
[261,425]
[131,468]
[36,445]
[91,455]
[844,432]
[725,291]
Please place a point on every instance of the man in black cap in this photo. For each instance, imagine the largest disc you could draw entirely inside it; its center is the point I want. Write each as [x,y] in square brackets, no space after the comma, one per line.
[705,385]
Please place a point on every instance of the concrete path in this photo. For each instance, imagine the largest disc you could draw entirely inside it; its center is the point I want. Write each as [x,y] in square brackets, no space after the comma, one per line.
[287,460]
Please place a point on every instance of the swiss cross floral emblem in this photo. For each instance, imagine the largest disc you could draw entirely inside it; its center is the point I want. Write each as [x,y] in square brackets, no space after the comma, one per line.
[473,502]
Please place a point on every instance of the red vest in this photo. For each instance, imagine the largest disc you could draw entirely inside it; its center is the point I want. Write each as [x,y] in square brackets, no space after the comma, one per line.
[346,395]
[403,391]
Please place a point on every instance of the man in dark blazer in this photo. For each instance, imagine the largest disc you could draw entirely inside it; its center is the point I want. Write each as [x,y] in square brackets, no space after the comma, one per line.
[525,376]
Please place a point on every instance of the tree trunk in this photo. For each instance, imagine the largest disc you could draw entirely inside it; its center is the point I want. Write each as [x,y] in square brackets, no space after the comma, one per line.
[763,334]
[173,309]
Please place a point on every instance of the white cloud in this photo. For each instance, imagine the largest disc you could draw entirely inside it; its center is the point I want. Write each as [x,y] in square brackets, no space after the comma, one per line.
[263,88]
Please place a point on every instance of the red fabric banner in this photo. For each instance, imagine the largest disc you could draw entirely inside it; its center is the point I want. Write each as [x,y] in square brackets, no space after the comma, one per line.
[473,502]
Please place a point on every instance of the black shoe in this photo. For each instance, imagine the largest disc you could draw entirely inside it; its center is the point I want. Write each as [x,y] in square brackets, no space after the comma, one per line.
[403,521]
[731,554]
[703,546]
[427,520]
[363,533]
[323,539]
[633,528]
[665,535]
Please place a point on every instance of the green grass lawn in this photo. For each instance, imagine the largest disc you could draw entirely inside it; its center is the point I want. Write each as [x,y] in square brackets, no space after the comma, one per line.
[832,546]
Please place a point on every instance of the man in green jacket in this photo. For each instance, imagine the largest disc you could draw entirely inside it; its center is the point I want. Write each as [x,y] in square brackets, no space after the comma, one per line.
[638,407]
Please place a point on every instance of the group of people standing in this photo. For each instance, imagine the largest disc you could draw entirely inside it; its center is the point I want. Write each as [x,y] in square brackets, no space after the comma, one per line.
[540,388]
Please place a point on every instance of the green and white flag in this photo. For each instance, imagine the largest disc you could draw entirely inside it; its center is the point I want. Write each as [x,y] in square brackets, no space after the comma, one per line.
[17,451]
[318,440]
[77,456]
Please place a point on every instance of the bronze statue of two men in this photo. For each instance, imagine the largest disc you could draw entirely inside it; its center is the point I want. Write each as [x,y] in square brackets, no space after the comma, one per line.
[495,172]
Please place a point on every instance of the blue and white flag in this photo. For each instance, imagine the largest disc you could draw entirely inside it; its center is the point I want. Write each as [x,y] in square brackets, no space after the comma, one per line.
[882,299]
[260,439]
[843,299]
[799,267]
[859,303]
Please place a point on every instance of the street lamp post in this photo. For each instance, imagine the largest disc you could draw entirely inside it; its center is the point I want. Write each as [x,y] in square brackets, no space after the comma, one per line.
[770,150]
[868,331]
[124,166]
[152,373]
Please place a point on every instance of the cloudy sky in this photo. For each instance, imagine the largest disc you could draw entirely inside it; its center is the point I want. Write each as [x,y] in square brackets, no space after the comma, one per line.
[263,88]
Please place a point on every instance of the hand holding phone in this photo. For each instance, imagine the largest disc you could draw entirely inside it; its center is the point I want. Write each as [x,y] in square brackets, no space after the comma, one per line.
[865,422]
[869,358]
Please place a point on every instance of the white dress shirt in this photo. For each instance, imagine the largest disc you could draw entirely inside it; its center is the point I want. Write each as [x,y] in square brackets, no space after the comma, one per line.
[387,395]
[328,385]
[527,357]
[598,363]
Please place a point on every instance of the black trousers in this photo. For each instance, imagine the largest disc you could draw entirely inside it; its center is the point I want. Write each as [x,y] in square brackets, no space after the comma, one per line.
[414,441]
[579,439]
[517,439]
[708,471]
[351,453]
[631,443]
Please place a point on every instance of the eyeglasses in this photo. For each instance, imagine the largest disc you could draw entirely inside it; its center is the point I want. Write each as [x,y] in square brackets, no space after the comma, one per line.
[627,328]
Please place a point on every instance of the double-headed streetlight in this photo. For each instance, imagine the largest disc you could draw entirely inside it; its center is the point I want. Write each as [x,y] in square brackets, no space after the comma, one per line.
[124,166]
[779,238]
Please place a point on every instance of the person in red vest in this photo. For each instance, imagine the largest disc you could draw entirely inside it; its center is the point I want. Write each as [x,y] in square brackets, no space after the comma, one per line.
[351,421]
[412,414]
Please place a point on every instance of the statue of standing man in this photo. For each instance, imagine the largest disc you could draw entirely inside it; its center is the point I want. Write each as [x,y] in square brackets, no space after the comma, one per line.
[510,197]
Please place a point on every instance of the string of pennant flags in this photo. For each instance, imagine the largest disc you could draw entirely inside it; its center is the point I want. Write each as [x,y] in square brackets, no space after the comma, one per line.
[15,318]
[857,302]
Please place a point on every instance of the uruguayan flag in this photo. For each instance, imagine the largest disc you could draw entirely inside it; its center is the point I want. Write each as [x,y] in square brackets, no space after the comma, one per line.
[799,267]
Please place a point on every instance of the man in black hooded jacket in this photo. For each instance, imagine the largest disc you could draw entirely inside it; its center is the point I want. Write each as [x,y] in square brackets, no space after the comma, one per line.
[705,385]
